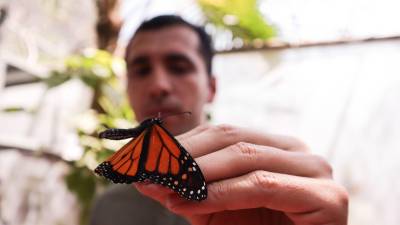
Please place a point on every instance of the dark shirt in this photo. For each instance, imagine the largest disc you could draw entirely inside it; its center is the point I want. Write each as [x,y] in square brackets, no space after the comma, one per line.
[124,205]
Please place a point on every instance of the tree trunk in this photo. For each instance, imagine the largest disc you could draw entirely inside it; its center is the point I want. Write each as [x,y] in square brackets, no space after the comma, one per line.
[108,24]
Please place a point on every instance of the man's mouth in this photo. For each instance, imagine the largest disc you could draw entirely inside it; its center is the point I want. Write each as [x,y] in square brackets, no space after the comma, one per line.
[162,111]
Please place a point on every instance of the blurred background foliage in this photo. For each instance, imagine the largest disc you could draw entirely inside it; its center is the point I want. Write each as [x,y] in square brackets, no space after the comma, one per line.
[110,108]
[242,18]
[101,71]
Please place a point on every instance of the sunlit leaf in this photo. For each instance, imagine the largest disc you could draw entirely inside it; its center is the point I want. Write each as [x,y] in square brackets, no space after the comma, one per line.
[14,109]
[242,17]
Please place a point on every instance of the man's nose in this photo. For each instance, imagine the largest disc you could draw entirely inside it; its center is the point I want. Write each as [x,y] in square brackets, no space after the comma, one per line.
[160,85]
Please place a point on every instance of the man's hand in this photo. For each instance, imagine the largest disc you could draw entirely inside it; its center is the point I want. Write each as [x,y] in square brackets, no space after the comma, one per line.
[256,179]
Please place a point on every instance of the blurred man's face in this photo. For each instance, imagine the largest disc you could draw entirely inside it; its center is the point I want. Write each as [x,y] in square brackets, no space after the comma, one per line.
[166,74]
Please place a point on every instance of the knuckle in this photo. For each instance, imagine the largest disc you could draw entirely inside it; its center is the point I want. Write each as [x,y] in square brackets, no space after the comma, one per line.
[226,129]
[264,179]
[343,196]
[220,192]
[322,166]
[337,198]
[246,150]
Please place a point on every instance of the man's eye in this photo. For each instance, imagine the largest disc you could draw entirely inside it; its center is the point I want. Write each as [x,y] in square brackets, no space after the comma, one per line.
[140,71]
[179,69]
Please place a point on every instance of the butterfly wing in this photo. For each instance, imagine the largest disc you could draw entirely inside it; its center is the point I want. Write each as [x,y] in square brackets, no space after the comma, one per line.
[123,166]
[169,164]
[157,156]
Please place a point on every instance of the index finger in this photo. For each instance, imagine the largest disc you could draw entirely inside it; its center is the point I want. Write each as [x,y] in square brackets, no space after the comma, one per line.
[296,196]
[214,138]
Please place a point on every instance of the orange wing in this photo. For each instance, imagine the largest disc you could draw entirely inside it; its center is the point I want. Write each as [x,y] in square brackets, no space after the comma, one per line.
[169,164]
[163,153]
[122,166]
[157,156]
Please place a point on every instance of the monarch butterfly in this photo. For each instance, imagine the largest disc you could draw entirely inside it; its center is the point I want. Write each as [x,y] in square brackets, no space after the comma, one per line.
[155,155]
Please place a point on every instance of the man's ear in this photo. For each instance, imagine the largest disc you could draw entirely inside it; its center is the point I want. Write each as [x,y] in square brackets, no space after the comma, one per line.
[212,86]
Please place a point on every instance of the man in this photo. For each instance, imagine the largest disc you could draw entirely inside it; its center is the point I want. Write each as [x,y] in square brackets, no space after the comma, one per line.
[252,178]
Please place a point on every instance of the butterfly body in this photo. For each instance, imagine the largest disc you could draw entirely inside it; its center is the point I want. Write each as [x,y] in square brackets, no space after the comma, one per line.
[154,155]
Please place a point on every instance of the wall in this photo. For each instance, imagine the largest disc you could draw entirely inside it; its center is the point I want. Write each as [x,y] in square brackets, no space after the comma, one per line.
[342,100]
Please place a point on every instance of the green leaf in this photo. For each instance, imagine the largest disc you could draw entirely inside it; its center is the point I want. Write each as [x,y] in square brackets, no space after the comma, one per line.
[104,154]
[242,17]
[110,109]
[56,78]
[14,109]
